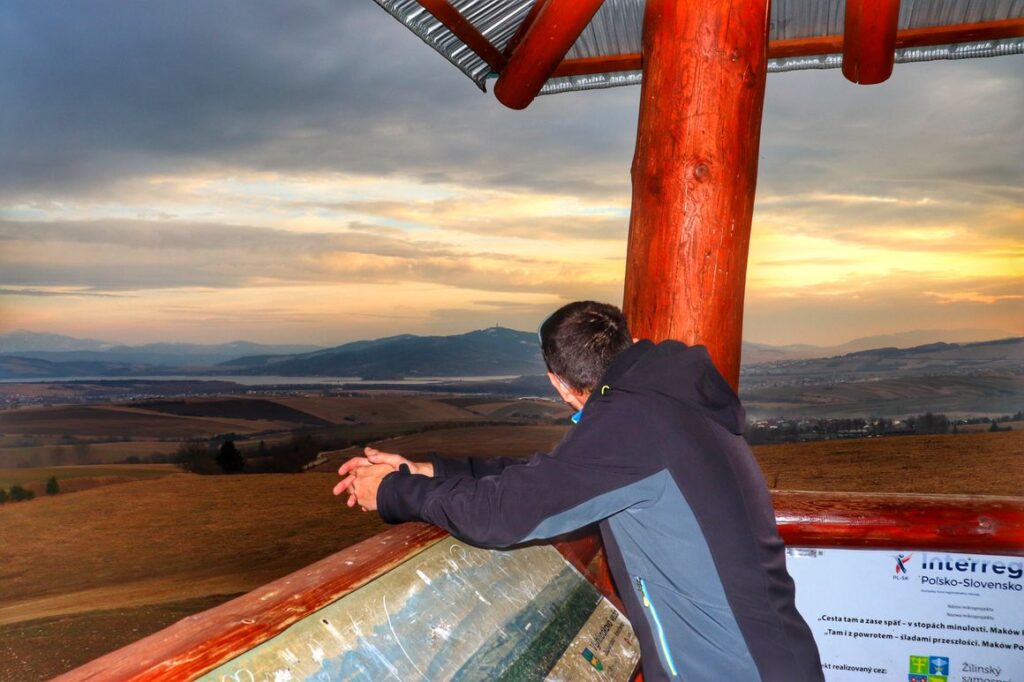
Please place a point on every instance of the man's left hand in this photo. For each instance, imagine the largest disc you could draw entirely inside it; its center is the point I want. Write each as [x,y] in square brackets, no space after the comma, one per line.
[367,481]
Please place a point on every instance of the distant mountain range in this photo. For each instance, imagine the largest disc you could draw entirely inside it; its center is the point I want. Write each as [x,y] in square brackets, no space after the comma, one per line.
[756,353]
[985,377]
[1001,357]
[496,351]
[957,379]
[91,355]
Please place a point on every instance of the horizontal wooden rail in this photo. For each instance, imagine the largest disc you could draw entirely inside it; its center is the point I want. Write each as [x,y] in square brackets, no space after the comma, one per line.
[196,644]
[820,45]
[982,524]
[199,643]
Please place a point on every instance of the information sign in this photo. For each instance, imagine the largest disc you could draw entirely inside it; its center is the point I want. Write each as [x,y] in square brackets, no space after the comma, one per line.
[915,616]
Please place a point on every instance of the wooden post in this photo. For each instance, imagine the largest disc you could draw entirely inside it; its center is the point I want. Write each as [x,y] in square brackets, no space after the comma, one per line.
[695,172]
[869,40]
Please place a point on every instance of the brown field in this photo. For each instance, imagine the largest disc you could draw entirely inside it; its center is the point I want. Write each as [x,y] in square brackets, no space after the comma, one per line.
[57,392]
[521,409]
[977,463]
[83,574]
[99,451]
[469,441]
[136,556]
[378,409]
[94,421]
[31,436]
[67,475]
[957,464]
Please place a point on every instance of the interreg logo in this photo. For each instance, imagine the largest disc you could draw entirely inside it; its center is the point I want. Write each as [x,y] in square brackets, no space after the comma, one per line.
[962,570]
[901,566]
[928,669]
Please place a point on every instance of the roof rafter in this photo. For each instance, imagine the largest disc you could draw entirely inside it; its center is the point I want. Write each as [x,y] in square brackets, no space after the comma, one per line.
[524,27]
[821,45]
[465,31]
[556,27]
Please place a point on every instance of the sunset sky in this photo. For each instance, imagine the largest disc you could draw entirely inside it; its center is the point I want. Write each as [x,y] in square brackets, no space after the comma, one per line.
[310,172]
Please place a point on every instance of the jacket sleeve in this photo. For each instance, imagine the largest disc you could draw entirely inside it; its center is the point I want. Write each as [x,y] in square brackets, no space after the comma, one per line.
[477,467]
[605,464]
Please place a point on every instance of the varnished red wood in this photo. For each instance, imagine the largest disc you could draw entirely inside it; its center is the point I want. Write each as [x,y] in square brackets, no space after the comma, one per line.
[694,173]
[810,47]
[586,553]
[592,65]
[199,643]
[466,32]
[960,33]
[553,31]
[981,525]
[984,524]
[520,33]
[869,40]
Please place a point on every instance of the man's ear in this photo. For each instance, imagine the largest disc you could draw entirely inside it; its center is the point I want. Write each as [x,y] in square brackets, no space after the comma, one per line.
[570,396]
[560,387]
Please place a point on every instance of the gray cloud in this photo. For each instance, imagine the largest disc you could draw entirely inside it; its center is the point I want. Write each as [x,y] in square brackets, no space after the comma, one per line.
[96,94]
[111,89]
[117,256]
[165,235]
[105,90]
[46,293]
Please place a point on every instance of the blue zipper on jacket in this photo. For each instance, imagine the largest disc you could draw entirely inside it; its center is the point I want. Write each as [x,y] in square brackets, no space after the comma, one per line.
[657,624]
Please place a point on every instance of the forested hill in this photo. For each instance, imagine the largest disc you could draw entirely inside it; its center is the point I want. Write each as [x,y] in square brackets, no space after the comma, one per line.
[496,351]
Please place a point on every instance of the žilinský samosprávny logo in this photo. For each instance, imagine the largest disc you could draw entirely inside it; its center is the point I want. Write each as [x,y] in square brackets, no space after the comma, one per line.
[928,669]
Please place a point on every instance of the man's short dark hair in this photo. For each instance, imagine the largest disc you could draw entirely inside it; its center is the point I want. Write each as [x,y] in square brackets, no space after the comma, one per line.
[581,339]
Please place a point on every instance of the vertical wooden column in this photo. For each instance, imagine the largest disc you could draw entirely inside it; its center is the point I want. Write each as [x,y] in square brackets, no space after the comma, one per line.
[869,40]
[695,172]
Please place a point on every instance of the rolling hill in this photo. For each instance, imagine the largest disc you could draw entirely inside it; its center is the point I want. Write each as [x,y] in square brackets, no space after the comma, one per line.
[496,351]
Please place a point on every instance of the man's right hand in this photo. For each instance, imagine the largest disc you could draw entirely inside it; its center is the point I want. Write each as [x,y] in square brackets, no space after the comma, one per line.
[374,456]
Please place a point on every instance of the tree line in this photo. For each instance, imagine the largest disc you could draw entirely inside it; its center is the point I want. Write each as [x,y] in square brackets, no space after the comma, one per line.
[19,493]
[797,429]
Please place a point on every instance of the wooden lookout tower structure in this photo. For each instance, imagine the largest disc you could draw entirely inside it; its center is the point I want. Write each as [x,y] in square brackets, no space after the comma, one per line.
[702,67]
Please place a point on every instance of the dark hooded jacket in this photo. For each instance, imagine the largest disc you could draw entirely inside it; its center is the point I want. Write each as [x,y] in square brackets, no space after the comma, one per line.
[686,518]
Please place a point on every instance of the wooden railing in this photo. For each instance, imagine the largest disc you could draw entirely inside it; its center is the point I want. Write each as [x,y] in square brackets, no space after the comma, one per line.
[199,643]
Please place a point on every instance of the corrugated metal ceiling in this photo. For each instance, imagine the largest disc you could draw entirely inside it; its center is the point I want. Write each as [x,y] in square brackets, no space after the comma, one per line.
[616,29]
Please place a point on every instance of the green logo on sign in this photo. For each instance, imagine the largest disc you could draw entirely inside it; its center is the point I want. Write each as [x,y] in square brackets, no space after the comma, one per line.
[599,665]
[919,665]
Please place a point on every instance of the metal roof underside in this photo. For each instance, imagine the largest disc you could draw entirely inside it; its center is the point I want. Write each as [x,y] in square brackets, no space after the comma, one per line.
[616,29]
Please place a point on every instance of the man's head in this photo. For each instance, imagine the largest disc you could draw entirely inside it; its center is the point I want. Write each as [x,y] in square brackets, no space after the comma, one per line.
[579,342]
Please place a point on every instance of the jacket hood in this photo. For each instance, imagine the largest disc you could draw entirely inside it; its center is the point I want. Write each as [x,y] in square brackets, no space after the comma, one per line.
[680,372]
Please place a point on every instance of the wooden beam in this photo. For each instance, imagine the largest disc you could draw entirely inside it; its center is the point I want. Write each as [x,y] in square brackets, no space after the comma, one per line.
[805,47]
[466,32]
[822,45]
[694,173]
[557,26]
[960,33]
[869,40]
[524,27]
[199,643]
[591,65]
[955,523]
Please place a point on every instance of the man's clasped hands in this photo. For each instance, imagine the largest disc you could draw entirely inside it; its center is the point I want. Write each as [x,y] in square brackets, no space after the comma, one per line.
[361,476]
